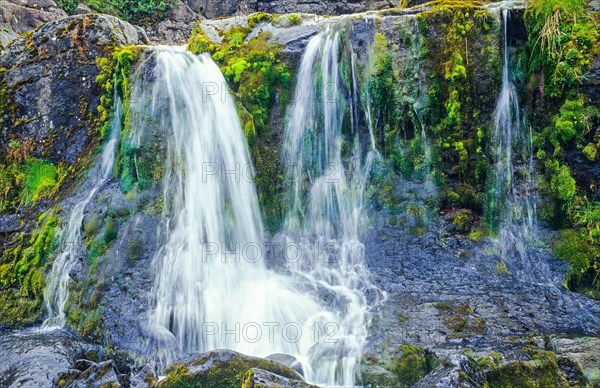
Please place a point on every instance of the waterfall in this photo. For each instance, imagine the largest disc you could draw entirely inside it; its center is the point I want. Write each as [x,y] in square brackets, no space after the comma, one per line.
[513,196]
[57,287]
[326,216]
[212,287]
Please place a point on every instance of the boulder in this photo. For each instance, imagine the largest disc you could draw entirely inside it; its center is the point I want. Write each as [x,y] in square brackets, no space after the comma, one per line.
[49,77]
[103,374]
[34,358]
[222,369]
[20,16]
[259,378]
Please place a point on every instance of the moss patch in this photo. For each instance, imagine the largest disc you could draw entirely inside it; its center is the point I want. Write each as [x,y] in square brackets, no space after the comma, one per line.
[260,80]
[541,371]
[223,369]
[22,267]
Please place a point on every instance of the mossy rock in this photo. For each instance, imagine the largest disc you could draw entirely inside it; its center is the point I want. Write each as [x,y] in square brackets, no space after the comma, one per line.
[258,378]
[542,371]
[401,368]
[220,369]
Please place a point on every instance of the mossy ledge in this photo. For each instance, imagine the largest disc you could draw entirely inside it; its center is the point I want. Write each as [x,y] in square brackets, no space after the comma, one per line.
[220,369]
[23,264]
[260,79]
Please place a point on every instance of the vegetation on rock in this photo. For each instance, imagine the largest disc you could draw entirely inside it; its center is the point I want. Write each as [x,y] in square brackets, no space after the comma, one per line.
[260,81]
[22,267]
[137,11]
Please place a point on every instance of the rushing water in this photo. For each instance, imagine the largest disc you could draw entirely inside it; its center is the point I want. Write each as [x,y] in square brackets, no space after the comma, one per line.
[57,288]
[513,196]
[326,214]
[212,289]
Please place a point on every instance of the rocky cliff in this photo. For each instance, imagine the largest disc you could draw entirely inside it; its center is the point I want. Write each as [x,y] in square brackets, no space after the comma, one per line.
[457,312]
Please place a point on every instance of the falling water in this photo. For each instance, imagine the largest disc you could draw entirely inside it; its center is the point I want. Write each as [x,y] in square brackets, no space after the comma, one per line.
[326,198]
[57,289]
[513,195]
[212,289]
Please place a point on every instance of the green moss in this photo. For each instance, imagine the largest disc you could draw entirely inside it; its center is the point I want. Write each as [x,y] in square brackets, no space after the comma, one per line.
[562,183]
[258,77]
[563,42]
[111,231]
[142,12]
[584,261]
[259,17]
[463,63]
[413,364]
[41,180]
[500,268]
[461,318]
[226,371]
[295,20]
[590,151]
[541,371]
[462,220]
[22,268]
[83,311]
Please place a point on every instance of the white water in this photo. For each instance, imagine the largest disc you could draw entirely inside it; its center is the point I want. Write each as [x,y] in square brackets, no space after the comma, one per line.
[212,289]
[514,189]
[56,292]
[326,215]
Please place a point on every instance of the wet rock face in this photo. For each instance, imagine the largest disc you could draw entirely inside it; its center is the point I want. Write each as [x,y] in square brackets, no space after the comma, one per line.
[212,9]
[445,294]
[34,358]
[18,17]
[49,76]
[103,374]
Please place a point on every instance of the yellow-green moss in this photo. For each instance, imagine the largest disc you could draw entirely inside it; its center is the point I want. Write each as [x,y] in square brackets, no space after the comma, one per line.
[22,267]
[413,364]
[257,75]
[584,261]
[463,62]
[541,371]
[227,371]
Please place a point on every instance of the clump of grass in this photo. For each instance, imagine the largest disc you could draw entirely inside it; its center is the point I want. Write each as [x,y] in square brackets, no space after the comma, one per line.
[41,181]
[501,268]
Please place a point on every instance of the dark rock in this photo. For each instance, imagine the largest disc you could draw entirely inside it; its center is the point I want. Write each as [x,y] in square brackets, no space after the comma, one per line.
[51,77]
[287,360]
[572,371]
[9,223]
[18,17]
[83,9]
[102,374]
[212,9]
[585,172]
[221,369]
[259,378]
[34,358]
[83,364]
[175,29]
[377,376]
[592,84]
[144,378]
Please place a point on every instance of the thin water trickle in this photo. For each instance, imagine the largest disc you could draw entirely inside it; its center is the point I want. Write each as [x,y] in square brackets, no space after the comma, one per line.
[513,200]
[56,292]
[326,216]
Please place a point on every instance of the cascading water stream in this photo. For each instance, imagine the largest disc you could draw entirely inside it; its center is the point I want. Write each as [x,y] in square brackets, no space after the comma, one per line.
[212,288]
[57,288]
[513,197]
[326,199]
